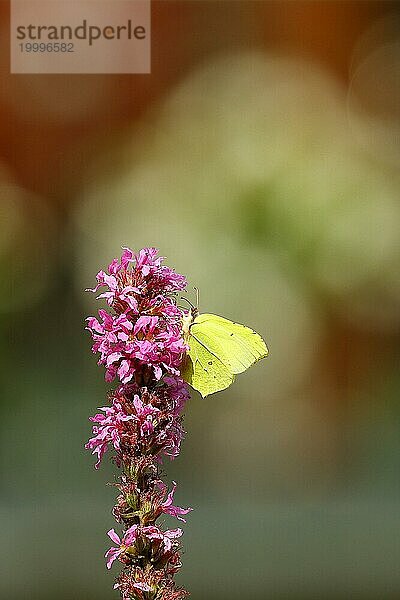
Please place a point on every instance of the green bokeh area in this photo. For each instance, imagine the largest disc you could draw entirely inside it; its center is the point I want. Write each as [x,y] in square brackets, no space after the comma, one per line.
[263,179]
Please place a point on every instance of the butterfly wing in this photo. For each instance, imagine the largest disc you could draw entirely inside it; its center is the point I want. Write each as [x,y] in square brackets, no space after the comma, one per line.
[204,370]
[238,347]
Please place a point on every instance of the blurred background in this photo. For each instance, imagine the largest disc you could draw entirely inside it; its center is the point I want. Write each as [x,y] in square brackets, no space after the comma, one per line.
[262,157]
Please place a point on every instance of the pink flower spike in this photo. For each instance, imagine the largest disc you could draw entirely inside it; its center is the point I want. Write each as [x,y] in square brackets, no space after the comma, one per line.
[139,341]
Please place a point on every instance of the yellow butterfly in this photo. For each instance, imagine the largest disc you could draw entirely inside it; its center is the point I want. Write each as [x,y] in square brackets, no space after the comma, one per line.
[218,350]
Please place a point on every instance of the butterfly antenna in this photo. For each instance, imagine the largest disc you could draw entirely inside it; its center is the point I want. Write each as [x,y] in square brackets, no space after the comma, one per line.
[197,297]
[188,301]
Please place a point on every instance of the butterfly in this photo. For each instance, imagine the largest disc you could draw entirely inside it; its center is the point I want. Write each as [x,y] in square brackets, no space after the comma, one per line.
[218,350]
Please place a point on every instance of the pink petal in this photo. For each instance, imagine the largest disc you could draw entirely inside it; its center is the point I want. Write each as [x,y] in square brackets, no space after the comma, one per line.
[112,554]
[142,586]
[153,533]
[114,536]
[114,266]
[127,256]
[141,323]
[132,303]
[130,536]
[111,281]
[170,496]
[157,372]
[138,404]
[95,325]
[173,533]
[122,336]
[123,369]
[112,358]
